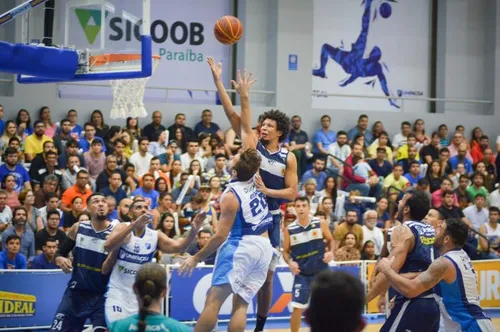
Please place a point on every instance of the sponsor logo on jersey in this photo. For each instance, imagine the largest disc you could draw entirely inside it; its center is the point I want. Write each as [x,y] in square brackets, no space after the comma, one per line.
[124,270]
[17,305]
[148,246]
[134,258]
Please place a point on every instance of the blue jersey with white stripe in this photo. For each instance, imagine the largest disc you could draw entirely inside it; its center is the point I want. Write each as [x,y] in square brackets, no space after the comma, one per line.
[307,246]
[253,217]
[88,260]
[272,171]
[422,255]
[461,297]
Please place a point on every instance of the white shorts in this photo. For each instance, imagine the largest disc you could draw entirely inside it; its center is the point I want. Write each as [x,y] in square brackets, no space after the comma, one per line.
[275,260]
[243,264]
[119,305]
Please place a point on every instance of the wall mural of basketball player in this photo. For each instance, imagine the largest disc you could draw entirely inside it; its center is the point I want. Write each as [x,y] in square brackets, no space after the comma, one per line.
[352,62]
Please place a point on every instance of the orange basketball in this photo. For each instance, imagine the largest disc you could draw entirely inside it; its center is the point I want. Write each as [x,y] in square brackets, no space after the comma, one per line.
[228,30]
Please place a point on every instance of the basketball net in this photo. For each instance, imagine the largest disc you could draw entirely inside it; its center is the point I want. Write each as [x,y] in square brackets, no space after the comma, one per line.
[128,96]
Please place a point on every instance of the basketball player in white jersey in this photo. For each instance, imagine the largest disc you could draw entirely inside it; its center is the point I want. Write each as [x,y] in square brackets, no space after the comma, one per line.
[242,234]
[132,244]
[454,276]
[277,178]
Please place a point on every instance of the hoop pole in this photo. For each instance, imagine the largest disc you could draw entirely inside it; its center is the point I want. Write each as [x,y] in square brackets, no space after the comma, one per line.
[19,10]
[146,18]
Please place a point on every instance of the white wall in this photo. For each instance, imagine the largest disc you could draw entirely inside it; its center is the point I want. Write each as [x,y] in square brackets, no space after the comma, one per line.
[266,54]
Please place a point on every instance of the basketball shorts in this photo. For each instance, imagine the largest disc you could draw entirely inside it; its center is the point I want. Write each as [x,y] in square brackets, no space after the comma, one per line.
[119,305]
[275,231]
[419,314]
[301,290]
[243,264]
[75,308]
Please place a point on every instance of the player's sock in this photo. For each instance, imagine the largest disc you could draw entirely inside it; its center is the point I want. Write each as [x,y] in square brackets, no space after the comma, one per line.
[261,321]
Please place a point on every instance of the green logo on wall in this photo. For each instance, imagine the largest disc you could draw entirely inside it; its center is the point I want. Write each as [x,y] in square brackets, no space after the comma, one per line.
[90,21]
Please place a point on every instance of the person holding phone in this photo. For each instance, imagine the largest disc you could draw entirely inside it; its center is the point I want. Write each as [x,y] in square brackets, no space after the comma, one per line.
[132,244]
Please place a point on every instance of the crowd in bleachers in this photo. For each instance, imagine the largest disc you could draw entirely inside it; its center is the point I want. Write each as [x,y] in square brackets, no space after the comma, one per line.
[353,179]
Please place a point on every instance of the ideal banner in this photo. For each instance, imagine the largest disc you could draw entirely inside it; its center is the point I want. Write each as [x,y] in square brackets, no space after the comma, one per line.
[182,34]
[29,298]
[371,48]
[188,294]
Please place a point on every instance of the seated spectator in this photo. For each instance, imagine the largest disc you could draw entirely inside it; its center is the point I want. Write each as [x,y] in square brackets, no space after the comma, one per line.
[70,151]
[10,257]
[113,213]
[76,129]
[361,168]
[400,139]
[475,138]
[455,177]
[348,250]
[350,225]
[147,191]
[478,151]
[361,128]
[327,207]
[298,140]
[461,158]
[217,150]
[33,219]
[196,171]
[404,151]
[413,175]
[444,160]
[80,189]
[419,131]
[215,191]
[103,180]
[158,143]
[357,182]
[191,154]
[68,176]
[493,200]
[50,185]
[360,139]
[488,178]
[309,191]
[317,173]
[114,188]
[95,159]
[154,126]
[19,228]
[63,136]
[130,142]
[380,165]
[395,179]
[50,169]
[119,153]
[449,210]
[46,259]
[15,143]
[112,136]
[341,150]
[52,204]
[232,142]
[412,157]
[204,236]
[477,186]
[33,144]
[97,120]
[12,166]
[323,137]
[490,167]
[438,195]
[491,231]
[9,183]
[70,218]
[180,124]
[458,138]
[423,186]
[50,231]
[477,214]
[371,232]
[10,132]
[368,251]
[464,199]
[352,204]
[430,152]
[443,136]
[382,212]
[434,176]
[23,121]
[383,143]
[207,126]
[142,158]
[88,138]
[219,171]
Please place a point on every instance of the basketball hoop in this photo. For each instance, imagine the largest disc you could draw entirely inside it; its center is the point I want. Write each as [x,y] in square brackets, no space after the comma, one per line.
[128,94]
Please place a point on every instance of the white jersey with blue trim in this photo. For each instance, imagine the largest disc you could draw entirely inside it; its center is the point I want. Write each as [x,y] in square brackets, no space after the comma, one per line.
[131,255]
[253,217]
[460,306]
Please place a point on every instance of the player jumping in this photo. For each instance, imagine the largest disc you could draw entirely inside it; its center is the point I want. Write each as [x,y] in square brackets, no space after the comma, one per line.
[304,251]
[134,244]
[455,277]
[244,258]
[413,252]
[84,297]
[278,174]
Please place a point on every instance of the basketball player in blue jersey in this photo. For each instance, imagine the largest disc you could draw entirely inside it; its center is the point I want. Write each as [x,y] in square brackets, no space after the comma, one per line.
[84,297]
[305,251]
[455,277]
[277,178]
[412,246]
[132,245]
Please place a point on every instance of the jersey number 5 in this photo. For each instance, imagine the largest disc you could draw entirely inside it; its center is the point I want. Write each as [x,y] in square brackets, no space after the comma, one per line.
[257,204]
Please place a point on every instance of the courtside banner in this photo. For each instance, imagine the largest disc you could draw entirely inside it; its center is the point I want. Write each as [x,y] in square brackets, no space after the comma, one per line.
[30,298]
[188,294]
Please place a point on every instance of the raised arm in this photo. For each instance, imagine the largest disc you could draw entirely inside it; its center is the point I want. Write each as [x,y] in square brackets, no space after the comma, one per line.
[170,246]
[243,86]
[232,116]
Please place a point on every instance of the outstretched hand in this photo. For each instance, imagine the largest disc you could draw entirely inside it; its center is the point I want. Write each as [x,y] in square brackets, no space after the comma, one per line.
[244,83]
[216,68]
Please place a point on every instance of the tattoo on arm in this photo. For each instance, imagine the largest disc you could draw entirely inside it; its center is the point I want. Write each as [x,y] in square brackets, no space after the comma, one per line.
[434,273]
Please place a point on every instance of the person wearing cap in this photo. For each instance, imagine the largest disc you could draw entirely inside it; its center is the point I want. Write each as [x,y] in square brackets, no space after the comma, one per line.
[34,142]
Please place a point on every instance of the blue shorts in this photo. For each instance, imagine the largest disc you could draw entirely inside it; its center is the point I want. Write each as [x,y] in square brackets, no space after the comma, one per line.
[301,290]
[74,310]
[275,231]
[420,314]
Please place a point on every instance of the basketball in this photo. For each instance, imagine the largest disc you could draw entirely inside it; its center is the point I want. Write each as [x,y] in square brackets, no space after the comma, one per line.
[228,30]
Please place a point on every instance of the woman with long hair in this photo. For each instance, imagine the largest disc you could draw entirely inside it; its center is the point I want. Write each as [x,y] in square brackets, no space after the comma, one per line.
[330,190]
[150,288]
[175,173]
[361,140]
[161,185]
[97,119]
[44,116]
[167,225]
[23,122]
[382,212]
[9,132]
[71,217]
[215,192]
[181,139]
[377,129]
[420,135]
[475,139]
[128,140]
[434,176]
[348,250]
[368,251]
[205,149]
[33,219]
[196,170]
[132,126]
